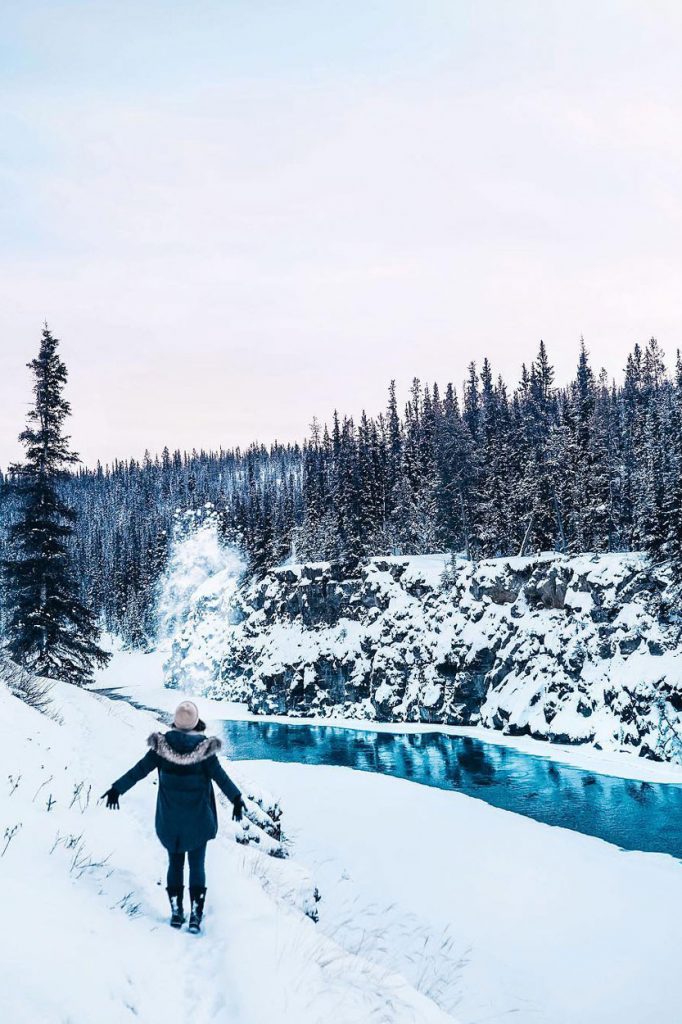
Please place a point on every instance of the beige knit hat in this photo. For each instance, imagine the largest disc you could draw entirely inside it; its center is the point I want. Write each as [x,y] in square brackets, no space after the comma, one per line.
[186,715]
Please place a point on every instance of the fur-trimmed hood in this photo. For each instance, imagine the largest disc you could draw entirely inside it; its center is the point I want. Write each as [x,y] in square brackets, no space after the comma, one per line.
[184,747]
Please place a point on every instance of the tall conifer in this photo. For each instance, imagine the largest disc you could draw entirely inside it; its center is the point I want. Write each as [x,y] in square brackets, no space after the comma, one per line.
[51,631]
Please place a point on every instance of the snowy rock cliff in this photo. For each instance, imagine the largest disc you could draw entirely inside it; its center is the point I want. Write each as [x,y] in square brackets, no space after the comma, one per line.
[574,650]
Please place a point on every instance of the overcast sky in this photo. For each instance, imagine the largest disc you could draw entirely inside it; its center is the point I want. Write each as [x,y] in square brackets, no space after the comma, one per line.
[236,215]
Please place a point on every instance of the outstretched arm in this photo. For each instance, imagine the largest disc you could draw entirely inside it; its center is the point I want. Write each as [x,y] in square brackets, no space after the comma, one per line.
[220,776]
[139,771]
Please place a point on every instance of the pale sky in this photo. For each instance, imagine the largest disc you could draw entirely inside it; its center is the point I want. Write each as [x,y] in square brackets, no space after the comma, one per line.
[238,215]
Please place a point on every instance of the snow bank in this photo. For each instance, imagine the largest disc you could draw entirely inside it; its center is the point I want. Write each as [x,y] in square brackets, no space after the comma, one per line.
[508,919]
[86,935]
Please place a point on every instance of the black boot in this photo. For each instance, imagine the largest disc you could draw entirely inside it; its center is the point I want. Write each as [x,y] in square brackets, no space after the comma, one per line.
[197,897]
[177,914]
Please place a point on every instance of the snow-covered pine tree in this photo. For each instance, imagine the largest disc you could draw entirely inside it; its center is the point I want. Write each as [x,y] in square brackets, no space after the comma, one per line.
[369,484]
[425,506]
[484,521]
[391,444]
[632,428]
[649,511]
[417,505]
[311,537]
[50,629]
[543,526]
[495,506]
[602,518]
[380,538]
[579,414]
[456,471]
[673,495]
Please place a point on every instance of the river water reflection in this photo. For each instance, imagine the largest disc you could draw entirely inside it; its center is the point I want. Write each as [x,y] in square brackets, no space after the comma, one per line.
[632,814]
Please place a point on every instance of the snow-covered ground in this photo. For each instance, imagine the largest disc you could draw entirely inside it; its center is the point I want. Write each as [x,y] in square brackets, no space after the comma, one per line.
[85,935]
[496,915]
[516,920]
[435,906]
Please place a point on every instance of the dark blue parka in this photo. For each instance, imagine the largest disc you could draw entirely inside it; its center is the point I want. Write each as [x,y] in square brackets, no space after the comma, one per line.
[186,814]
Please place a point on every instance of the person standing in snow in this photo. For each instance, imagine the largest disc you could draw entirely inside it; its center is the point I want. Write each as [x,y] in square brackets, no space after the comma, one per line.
[186,814]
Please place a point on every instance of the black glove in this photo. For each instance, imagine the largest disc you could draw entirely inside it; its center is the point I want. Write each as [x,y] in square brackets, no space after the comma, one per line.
[112,796]
[238,809]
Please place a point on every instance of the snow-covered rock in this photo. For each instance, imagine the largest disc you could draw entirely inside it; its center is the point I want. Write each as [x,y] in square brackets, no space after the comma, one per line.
[581,649]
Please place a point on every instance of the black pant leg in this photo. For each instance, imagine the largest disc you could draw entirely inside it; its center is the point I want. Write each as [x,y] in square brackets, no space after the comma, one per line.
[176,869]
[197,868]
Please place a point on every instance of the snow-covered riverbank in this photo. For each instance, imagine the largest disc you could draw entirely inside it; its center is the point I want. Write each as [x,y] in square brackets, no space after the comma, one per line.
[140,677]
[86,934]
[520,921]
[517,917]
[485,912]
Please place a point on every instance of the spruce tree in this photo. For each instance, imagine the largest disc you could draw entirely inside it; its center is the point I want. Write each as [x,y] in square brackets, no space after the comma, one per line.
[538,487]
[579,415]
[602,509]
[649,507]
[496,496]
[673,499]
[457,470]
[50,630]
